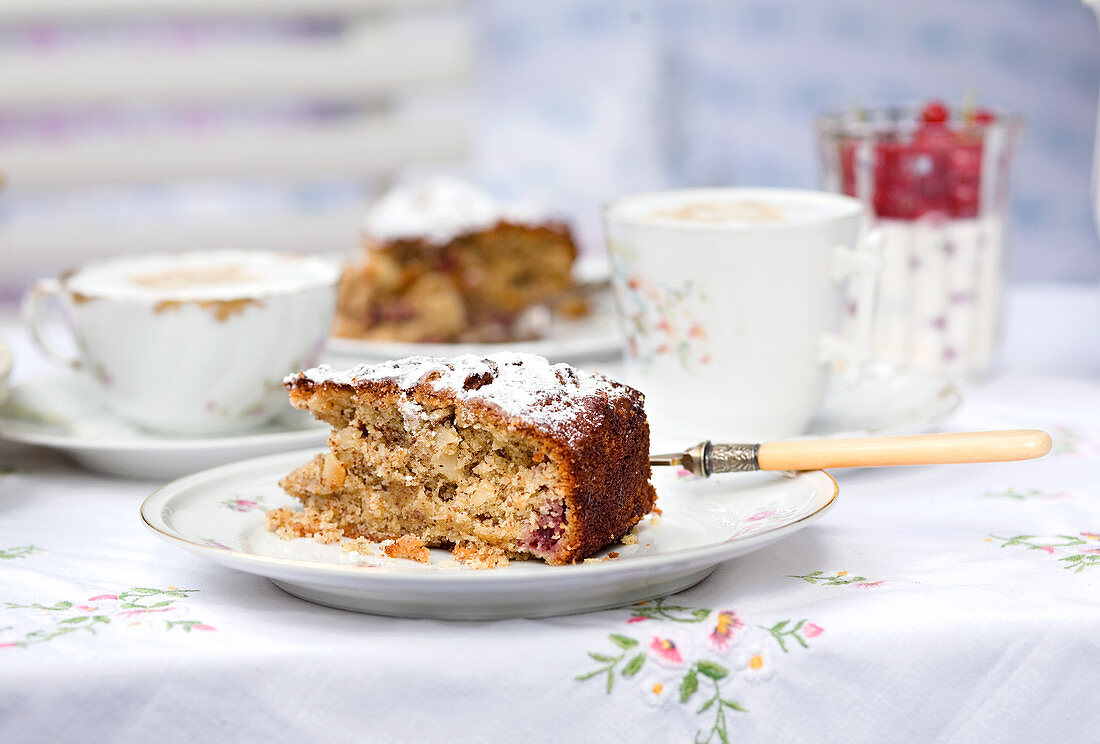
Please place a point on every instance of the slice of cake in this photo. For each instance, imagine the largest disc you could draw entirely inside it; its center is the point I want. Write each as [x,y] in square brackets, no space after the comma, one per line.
[446,263]
[505,456]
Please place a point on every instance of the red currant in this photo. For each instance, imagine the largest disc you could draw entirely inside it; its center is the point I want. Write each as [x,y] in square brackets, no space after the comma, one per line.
[934,112]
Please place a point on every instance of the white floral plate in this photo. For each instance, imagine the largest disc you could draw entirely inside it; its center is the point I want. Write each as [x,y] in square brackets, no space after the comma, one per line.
[219,514]
[64,413]
[595,337]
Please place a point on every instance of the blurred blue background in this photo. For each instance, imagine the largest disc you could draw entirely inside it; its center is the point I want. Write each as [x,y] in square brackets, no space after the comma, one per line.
[579,101]
[235,122]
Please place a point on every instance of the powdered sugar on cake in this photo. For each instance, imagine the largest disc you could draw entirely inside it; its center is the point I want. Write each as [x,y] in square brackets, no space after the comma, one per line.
[523,386]
[440,210]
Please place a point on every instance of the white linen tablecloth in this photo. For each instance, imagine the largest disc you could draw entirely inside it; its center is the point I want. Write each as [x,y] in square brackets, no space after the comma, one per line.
[945,604]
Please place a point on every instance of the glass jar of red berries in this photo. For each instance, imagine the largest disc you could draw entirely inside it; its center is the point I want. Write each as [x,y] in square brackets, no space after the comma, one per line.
[936,179]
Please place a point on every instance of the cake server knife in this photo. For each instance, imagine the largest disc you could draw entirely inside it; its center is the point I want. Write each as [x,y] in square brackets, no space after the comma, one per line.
[709,458]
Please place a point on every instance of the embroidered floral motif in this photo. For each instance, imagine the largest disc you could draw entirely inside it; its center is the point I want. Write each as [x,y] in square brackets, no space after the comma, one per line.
[134,605]
[1078,552]
[1068,440]
[1023,494]
[713,674]
[800,631]
[611,663]
[20,551]
[725,633]
[840,578]
[670,662]
[244,505]
[755,664]
[812,631]
[657,691]
[658,610]
[189,625]
[666,650]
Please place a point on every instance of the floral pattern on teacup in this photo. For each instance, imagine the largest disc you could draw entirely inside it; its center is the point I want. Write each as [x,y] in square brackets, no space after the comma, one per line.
[661,319]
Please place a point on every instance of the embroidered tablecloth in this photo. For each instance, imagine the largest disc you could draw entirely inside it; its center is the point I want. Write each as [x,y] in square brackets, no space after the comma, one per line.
[950,604]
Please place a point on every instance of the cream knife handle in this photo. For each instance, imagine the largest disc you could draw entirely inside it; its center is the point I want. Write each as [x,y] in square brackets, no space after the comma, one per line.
[922,449]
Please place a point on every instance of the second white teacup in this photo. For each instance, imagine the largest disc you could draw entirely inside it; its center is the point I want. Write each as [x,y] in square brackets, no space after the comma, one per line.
[729,299]
[192,343]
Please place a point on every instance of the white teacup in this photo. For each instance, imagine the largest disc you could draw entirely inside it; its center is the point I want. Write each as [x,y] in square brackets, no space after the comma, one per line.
[195,342]
[729,299]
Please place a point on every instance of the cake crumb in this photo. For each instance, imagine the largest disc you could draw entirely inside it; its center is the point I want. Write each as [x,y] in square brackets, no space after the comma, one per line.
[360,545]
[479,556]
[593,560]
[286,524]
[656,510]
[612,555]
[408,546]
[630,538]
[289,524]
[328,536]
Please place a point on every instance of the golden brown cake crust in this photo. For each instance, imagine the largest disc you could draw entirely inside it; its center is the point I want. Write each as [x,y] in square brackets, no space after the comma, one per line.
[594,428]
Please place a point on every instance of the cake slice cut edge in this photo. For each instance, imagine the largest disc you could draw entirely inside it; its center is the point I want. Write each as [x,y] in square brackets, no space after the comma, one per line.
[506,455]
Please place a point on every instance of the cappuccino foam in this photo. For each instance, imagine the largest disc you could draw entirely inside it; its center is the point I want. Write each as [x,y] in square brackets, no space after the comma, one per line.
[212,275]
[722,211]
[732,207]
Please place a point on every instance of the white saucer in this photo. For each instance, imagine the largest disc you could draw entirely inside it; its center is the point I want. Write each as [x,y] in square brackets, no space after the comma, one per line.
[219,514]
[595,337]
[64,413]
[884,401]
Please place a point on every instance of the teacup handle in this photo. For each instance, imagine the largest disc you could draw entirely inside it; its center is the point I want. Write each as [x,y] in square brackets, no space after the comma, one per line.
[862,265]
[42,290]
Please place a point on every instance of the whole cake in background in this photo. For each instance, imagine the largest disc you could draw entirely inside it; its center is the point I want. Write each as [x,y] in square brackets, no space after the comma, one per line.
[446,262]
[499,457]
